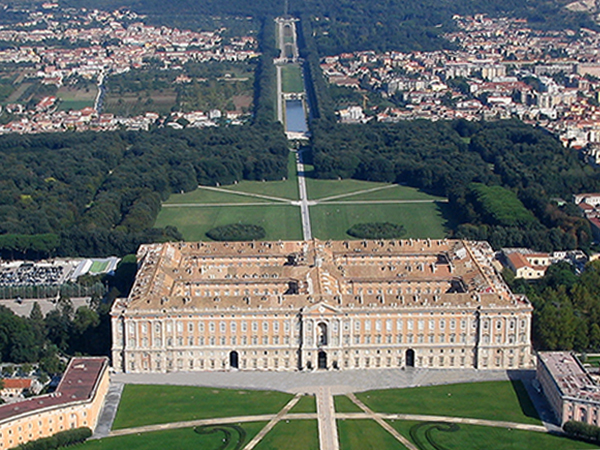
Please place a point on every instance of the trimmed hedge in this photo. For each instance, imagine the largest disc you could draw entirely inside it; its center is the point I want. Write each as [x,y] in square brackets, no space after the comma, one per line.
[237,232]
[582,431]
[61,439]
[377,230]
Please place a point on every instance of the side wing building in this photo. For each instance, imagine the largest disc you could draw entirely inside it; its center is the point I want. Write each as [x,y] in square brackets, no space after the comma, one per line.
[302,305]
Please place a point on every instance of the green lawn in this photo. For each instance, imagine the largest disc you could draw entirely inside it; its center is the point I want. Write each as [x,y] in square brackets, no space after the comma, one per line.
[291,435]
[284,189]
[291,78]
[279,221]
[75,105]
[181,439]
[420,220]
[318,189]
[306,404]
[493,400]
[345,405]
[365,435]
[474,437]
[201,196]
[152,404]
[98,266]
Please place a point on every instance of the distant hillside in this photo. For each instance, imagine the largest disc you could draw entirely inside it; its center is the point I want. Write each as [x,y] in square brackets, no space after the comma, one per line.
[350,25]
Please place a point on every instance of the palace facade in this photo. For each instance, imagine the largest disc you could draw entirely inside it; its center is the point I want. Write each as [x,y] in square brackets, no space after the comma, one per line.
[302,305]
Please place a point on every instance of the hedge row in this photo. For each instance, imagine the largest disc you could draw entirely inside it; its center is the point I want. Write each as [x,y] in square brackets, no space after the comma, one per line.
[61,439]
[582,431]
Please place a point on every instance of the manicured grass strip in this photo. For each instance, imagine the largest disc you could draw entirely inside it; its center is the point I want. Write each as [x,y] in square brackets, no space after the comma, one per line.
[365,435]
[201,196]
[99,266]
[318,189]
[345,405]
[287,188]
[153,404]
[291,435]
[291,79]
[306,404]
[181,439]
[493,400]
[396,192]
[279,221]
[475,437]
[420,220]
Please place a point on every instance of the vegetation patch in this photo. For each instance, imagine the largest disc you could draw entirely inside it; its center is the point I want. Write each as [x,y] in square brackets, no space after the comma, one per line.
[306,404]
[233,435]
[499,206]
[237,232]
[496,400]
[153,404]
[376,230]
[422,433]
[291,435]
[202,438]
[59,440]
[365,435]
[477,437]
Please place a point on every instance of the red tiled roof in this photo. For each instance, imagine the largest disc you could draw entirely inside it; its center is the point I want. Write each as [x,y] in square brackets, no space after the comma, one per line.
[17,383]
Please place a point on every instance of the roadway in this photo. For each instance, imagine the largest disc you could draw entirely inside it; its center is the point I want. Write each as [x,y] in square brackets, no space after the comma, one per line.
[306,228]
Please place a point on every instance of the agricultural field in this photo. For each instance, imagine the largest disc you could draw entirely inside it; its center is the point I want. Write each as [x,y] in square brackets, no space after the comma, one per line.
[76,99]
[133,104]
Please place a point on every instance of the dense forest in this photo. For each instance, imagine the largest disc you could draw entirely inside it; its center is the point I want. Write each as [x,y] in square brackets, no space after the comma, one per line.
[566,312]
[499,177]
[92,194]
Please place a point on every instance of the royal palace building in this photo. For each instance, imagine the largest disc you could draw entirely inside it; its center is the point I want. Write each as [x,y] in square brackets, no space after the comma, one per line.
[302,305]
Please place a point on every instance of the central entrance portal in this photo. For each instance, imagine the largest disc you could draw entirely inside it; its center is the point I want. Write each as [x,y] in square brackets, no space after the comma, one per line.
[410,358]
[234,360]
[322,360]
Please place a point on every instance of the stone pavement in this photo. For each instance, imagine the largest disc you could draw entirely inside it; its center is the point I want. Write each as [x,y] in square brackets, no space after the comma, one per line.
[109,410]
[328,436]
[340,382]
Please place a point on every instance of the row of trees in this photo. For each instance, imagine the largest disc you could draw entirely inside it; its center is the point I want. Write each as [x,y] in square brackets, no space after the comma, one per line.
[94,194]
[499,177]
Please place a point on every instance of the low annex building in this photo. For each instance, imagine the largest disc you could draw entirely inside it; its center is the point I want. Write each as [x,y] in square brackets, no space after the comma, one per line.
[302,305]
[75,403]
[569,388]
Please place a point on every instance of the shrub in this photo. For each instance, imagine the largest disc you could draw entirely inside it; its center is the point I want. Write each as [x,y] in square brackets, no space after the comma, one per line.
[376,230]
[582,431]
[61,439]
[237,232]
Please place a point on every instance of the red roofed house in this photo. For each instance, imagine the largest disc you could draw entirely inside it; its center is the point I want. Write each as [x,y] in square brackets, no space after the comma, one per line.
[76,403]
[14,387]
[529,266]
